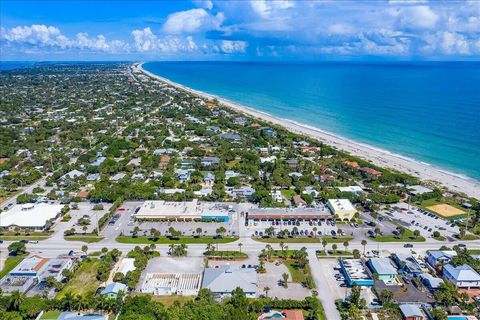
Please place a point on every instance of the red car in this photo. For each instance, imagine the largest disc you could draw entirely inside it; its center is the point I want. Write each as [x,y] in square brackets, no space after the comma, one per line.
[121,209]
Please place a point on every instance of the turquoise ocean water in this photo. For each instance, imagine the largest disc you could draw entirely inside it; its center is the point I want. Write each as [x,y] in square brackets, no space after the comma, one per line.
[427,111]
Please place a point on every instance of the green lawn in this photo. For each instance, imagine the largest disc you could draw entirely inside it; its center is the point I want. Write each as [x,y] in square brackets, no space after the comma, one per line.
[165,240]
[87,239]
[169,300]
[51,315]
[226,254]
[407,237]
[296,275]
[303,239]
[84,280]
[288,193]
[11,263]
[469,237]
[337,253]
[337,239]
[396,239]
[14,236]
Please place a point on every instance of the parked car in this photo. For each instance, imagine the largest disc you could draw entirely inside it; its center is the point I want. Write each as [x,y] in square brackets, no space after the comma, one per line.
[408,245]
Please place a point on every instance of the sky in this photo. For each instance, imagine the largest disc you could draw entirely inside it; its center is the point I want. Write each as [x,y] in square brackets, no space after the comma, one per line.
[256,30]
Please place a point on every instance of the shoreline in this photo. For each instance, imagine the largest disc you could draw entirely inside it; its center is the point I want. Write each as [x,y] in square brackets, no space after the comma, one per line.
[377,156]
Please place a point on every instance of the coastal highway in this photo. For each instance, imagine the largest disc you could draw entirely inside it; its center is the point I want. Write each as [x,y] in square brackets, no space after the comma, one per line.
[55,246]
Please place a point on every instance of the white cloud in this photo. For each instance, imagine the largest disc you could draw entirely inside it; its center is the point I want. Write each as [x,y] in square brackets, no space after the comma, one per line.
[417,17]
[206,4]
[265,8]
[144,39]
[341,28]
[227,46]
[191,21]
[50,36]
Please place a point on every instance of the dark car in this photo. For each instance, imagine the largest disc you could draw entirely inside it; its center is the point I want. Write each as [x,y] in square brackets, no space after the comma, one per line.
[408,245]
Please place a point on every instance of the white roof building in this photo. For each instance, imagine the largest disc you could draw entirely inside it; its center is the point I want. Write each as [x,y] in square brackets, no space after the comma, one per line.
[165,284]
[29,215]
[462,276]
[126,265]
[222,281]
[352,189]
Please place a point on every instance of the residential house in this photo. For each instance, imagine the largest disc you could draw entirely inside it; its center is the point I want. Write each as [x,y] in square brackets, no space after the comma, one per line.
[383,268]
[436,258]
[412,312]
[208,161]
[292,163]
[93,177]
[431,282]
[231,136]
[462,276]
[370,171]
[113,289]
[231,174]
[209,178]
[182,175]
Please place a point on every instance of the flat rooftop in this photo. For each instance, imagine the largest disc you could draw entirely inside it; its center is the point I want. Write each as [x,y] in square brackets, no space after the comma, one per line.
[341,204]
[30,215]
[29,266]
[356,269]
[289,213]
[185,209]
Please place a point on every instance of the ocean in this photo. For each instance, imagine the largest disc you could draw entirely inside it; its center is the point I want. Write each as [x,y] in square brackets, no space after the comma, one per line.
[427,111]
[11,65]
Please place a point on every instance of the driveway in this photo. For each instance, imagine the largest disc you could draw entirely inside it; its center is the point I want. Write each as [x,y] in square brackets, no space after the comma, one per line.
[327,287]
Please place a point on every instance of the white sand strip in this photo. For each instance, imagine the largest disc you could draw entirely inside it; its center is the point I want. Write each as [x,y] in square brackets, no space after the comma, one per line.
[375,155]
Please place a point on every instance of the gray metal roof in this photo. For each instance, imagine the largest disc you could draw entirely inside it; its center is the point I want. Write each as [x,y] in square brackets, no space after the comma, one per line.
[225,279]
[462,273]
[383,266]
[411,310]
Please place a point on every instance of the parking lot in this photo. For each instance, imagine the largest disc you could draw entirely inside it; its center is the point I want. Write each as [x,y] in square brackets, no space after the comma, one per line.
[126,223]
[273,280]
[83,219]
[298,228]
[424,221]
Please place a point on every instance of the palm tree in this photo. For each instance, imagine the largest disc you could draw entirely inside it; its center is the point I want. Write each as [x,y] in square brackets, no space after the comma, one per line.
[15,300]
[324,244]
[85,248]
[68,301]
[83,302]
[282,246]
[240,246]
[266,289]
[334,248]
[314,232]
[199,231]
[285,279]
[416,233]
[269,250]
[364,243]
[345,244]
[101,301]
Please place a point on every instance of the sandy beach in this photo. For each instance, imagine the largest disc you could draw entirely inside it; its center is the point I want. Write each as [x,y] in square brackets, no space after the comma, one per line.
[375,155]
